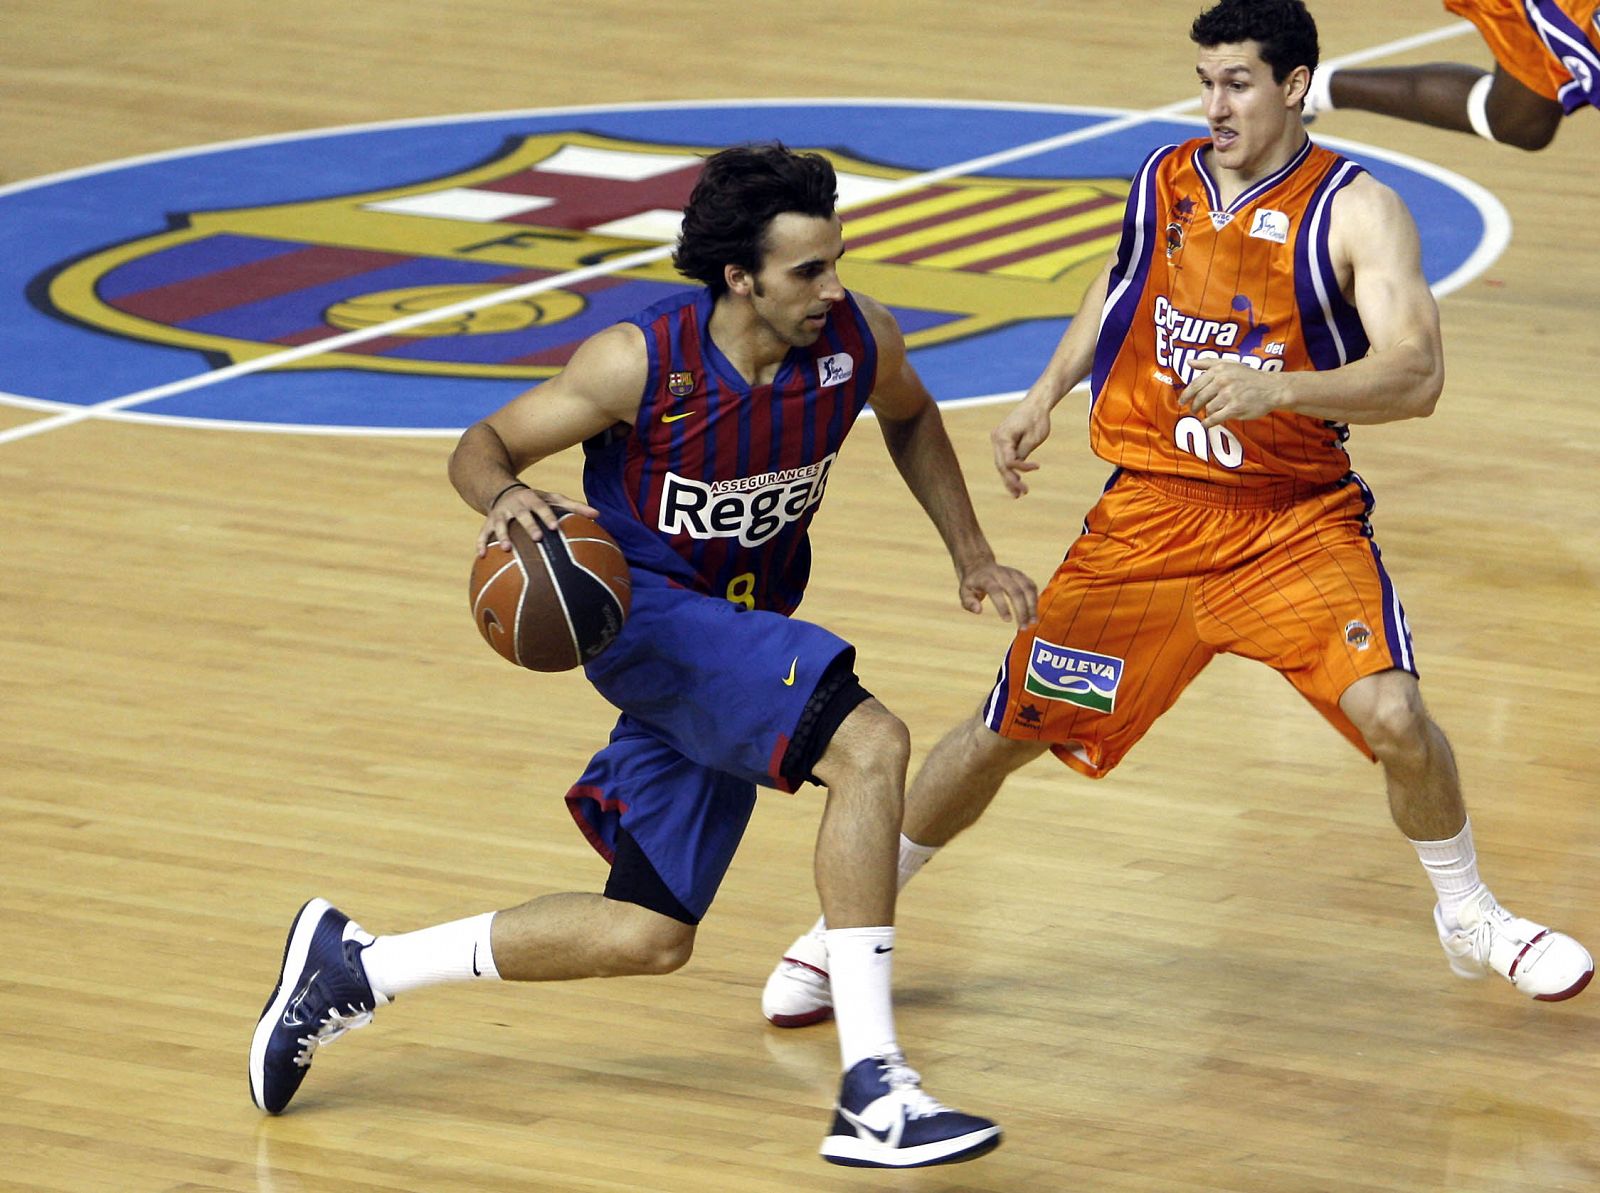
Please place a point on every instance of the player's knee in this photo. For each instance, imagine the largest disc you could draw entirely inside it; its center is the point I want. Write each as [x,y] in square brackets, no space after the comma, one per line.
[1520,118]
[647,943]
[870,744]
[992,752]
[891,740]
[1389,712]
[663,956]
[1530,134]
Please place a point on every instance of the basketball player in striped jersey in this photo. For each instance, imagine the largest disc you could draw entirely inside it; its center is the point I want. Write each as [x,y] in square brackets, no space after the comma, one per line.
[1547,66]
[710,424]
[1265,295]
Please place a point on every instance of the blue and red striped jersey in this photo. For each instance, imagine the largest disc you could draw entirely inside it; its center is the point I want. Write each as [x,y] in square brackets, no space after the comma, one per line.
[715,484]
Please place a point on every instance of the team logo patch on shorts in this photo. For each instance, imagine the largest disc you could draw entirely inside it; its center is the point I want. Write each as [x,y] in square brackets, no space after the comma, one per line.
[1075,676]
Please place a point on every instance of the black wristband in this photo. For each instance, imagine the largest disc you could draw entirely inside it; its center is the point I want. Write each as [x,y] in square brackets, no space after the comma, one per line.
[504,491]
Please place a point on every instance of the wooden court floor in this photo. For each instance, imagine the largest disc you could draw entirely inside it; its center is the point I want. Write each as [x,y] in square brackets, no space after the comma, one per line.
[236,671]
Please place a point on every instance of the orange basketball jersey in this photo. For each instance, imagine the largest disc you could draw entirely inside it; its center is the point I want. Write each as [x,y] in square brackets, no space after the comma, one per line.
[1552,47]
[1251,281]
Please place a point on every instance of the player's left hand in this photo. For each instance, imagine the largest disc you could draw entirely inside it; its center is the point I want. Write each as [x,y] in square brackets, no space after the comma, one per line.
[1015,596]
[1226,391]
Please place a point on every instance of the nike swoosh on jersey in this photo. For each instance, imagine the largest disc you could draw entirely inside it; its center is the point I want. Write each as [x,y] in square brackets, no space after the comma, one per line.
[788,680]
[672,418]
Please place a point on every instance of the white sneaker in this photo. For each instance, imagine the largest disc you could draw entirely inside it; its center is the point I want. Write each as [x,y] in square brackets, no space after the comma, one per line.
[1544,964]
[798,992]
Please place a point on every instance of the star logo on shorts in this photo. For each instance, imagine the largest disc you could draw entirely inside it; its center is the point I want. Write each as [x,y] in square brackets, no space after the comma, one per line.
[1030,715]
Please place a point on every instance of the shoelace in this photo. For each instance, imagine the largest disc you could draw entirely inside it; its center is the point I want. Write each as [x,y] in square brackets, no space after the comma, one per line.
[1496,919]
[907,1082]
[334,1026]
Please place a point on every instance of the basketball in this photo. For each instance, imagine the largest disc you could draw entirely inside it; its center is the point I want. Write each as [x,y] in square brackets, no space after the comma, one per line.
[554,604]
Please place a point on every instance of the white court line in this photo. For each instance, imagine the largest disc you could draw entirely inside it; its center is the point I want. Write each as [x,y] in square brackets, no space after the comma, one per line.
[646,256]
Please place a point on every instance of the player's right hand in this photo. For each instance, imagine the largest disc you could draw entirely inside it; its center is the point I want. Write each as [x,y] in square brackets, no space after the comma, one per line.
[534,509]
[1017,436]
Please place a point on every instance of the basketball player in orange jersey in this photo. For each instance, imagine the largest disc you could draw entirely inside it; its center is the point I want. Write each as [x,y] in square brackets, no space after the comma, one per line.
[709,423]
[1265,295]
[1547,66]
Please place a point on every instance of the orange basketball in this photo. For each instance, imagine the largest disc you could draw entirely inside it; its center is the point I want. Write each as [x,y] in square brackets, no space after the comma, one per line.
[554,604]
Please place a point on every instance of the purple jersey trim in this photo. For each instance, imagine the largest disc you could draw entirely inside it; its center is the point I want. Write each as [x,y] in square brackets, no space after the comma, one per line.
[1247,197]
[1576,49]
[1125,287]
[1329,324]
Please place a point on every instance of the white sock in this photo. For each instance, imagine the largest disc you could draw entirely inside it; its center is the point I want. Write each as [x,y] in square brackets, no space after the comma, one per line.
[1319,96]
[455,952]
[912,858]
[859,967]
[1452,867]
[1478,107]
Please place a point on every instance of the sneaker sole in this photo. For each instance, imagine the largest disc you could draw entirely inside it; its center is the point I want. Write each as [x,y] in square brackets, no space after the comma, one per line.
[855,1152]
[295,947]
[820,1015]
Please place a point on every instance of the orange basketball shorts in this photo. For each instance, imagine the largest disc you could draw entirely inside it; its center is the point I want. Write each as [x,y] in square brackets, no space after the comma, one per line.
[1169,573]
[1516,47]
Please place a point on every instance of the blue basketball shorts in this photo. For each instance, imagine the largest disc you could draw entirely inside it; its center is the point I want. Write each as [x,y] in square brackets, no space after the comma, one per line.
[711,696]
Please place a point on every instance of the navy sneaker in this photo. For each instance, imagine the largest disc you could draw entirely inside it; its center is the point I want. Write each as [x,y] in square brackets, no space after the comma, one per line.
[884,1120]
[322,993]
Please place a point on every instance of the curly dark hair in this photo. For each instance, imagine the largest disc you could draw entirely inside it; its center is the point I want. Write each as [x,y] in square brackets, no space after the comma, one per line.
[1282,28]
[739,192]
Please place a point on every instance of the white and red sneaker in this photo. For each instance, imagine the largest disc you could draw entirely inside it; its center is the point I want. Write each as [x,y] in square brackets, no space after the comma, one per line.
[798,992]
[1543,964]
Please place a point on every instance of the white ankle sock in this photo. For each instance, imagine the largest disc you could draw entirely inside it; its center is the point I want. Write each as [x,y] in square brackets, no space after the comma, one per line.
[912,858]
[455,952]
[1452,867]
[859,969]
[1478,107]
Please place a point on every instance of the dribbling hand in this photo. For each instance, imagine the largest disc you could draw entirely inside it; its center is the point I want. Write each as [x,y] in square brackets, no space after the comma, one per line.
[534,509]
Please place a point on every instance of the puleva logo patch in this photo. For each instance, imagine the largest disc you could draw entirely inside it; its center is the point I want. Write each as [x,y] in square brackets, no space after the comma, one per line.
[1078,677]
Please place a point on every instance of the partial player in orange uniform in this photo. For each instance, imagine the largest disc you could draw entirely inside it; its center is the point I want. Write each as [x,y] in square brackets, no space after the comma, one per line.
[1265,295]
[1547,66]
